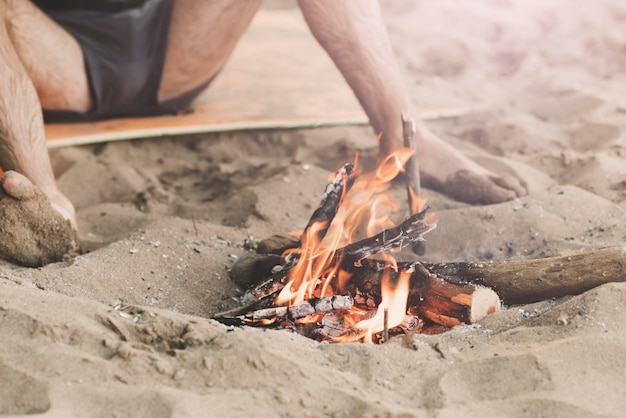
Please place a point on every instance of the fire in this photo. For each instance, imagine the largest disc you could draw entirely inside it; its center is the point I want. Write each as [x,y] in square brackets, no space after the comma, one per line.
[365,208]
[393,307]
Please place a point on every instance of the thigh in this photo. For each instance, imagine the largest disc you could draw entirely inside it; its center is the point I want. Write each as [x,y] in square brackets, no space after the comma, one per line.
[202,35]
[51,56]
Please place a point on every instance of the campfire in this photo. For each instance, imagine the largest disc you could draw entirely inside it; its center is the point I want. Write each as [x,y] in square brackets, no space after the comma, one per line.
[334,285]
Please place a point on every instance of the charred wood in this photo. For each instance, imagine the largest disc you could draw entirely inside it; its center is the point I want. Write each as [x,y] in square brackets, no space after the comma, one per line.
[409,231]
[266,316]
[333,196]
[430,296]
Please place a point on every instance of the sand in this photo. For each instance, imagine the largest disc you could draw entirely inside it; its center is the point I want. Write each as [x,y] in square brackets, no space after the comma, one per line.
[123,330]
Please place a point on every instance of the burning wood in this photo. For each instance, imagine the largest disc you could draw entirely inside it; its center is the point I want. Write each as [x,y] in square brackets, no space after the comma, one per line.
[309,307]
[429,296]
[331,286]
[409,231]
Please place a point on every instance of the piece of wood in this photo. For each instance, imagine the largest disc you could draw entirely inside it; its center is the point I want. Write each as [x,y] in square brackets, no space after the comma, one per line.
[246,271]
[267,316]
[527,281]
[202,121]
[276,244]
[332,327]
[430,296]
[411,168]
[331,200]
[411,230]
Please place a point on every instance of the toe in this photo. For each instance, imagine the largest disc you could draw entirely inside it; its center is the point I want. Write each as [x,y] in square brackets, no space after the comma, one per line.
[511,183]
[473,188]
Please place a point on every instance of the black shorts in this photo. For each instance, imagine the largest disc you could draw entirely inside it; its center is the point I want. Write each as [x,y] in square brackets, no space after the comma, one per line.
[124,54]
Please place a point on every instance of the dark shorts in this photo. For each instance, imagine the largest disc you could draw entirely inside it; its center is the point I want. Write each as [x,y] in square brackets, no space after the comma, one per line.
[124,55]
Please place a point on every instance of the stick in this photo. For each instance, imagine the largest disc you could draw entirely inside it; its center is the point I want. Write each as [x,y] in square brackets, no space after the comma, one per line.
[411,167]
[326,211]
[333,196]
[411,230]
[301,310]
[386,324]
[527,281]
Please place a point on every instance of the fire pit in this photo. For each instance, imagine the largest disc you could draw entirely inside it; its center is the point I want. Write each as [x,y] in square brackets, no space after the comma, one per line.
[329,285]
[332,286]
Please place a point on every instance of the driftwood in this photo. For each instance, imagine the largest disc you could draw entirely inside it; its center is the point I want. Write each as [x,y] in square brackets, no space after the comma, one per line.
[527,281]
[360,278]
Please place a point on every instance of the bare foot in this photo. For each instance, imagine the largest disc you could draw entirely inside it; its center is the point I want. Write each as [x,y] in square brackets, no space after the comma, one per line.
[32,231]
[470,187]
[447,170]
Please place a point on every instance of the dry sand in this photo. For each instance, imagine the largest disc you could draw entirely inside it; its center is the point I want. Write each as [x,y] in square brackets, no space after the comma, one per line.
[122,330]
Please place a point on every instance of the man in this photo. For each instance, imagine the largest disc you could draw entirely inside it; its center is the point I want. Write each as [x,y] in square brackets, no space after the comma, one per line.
[86,60]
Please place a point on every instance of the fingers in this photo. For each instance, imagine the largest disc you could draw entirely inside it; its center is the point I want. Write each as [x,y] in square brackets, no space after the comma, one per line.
[17,186]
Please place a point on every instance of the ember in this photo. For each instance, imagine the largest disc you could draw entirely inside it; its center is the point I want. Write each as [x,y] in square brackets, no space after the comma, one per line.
[333,286]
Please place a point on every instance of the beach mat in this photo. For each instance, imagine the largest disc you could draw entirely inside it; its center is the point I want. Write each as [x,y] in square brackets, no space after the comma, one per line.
[277,77]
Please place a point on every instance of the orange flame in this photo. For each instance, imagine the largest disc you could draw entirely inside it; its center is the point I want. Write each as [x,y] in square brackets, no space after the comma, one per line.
[366,209]
[394,299]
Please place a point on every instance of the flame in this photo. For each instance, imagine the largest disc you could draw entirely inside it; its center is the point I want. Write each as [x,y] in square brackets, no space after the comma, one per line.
[394,300]
[366,208]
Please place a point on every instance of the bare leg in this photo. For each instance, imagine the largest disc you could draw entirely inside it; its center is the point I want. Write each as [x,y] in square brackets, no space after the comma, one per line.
[39,59]
[354,35]
[202,36]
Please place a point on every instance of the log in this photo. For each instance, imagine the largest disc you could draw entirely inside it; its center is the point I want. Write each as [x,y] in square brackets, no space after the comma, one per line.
[528,281]
[277,245]
[430,296]
[245,272]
